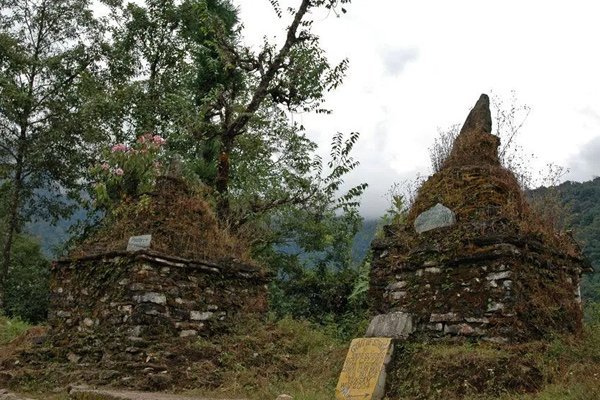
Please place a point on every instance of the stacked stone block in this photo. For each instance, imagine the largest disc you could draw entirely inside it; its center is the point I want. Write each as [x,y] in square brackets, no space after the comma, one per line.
[103,306]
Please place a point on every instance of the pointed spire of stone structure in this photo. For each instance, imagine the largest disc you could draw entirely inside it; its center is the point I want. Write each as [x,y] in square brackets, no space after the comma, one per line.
[475,144]
[480,118]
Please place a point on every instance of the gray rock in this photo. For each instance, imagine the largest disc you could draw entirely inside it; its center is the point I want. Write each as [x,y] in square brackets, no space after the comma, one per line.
[151,297]
[200,316]
[480,117]
[436,327]
[63,314]
[188,333]
[438,216]
[493,306]
[498,275]
[474,320]
[398,295]
[139,242]
[463,330]
[397,285]
[448,317]
[397,325]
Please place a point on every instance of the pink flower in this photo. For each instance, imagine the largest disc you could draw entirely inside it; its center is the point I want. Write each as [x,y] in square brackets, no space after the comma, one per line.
[119,172]
[119,147]
[105,166]
[158,140]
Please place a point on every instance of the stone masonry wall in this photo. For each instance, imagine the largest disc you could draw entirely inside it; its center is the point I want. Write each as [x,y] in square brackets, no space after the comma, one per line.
[498,293]
[102,306]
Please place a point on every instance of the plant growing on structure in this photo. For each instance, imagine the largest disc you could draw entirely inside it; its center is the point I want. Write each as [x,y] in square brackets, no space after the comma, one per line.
[128,171]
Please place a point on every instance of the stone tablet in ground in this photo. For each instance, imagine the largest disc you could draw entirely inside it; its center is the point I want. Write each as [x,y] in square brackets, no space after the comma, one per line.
[139,242]
[437,216]
[397,325]
[363,374]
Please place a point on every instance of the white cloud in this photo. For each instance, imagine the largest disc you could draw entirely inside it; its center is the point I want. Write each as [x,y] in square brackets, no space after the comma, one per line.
[396,60]
[397,100]
[586,164]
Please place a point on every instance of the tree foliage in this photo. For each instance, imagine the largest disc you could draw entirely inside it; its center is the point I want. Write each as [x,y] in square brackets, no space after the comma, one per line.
[583,210]
[27,286]
[49,52]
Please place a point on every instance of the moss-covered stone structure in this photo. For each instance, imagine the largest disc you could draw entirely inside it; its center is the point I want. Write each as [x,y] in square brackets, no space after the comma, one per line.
[472,260]
[116,309]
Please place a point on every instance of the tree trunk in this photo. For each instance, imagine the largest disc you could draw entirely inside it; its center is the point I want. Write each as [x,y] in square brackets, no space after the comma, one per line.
[13,227]
[222,179]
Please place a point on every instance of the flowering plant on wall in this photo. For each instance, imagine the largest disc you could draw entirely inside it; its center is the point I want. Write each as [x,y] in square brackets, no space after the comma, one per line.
[128,171]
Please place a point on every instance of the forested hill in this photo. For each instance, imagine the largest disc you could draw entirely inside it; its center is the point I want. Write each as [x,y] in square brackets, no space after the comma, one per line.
[582,201]
[582,204]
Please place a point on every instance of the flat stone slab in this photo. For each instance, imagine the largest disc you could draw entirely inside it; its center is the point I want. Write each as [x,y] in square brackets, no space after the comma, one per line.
[139,242]
[438,216]
[100,394]
[397,325]
[363,375]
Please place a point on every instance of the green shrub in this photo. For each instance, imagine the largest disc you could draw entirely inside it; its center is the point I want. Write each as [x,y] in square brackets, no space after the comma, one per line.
[322,296]
[10,328]
[27,291]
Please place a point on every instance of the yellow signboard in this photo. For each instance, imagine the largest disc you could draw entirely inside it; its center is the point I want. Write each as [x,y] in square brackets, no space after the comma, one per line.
[363,374]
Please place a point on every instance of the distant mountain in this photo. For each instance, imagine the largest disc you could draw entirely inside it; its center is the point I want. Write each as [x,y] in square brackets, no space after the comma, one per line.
[362,240]
[52,237]
[582,203]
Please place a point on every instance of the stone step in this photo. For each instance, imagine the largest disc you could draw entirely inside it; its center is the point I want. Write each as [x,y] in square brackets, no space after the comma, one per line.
[80,393]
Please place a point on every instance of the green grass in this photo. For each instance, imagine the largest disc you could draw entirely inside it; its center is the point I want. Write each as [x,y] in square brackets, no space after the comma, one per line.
[10,328]
[259,360]
[566,368]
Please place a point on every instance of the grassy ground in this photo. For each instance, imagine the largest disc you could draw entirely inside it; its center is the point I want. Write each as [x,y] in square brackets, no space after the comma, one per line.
[566,368]
[260,361]
[254,360]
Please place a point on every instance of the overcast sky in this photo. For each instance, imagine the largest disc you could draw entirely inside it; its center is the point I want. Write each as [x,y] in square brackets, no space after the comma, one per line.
[416,66]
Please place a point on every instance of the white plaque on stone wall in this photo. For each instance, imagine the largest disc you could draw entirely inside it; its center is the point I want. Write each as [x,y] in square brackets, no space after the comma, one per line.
[437,216]
[139,242]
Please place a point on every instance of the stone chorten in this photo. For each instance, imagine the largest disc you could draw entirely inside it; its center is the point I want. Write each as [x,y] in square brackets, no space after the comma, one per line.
[472,260]
[139,311]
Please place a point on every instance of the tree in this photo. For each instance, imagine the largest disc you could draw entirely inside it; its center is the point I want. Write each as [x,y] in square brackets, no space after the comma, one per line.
[48,60]
[181,71]
[161,64]
[296,75]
